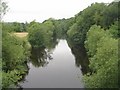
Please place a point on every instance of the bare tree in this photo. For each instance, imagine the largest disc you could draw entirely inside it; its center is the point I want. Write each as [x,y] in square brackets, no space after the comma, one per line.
[3,9]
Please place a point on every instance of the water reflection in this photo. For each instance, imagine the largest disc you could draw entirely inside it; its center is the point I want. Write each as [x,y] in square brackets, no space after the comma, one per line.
[40,56]
[81,58]
[52,44]
[60,73]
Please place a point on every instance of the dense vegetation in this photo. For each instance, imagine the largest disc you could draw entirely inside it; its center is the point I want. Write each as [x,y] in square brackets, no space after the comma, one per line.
[103,55]
[14,54]
[15,27]
[96,28]
[14,57]
[40,35]
[99,14]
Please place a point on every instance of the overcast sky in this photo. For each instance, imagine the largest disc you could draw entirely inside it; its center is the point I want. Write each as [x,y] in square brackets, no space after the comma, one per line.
[40,10]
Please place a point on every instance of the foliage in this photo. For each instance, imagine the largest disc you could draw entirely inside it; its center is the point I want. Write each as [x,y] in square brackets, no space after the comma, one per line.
[73,30]
[62,26]
[14,27]
[49,34]
[93,36]
[14,57]
[41,34]
[99,14]
[115,30]
[84,20]
[10,78]
[103,50]
[13,51]
[110,14]
[36,37]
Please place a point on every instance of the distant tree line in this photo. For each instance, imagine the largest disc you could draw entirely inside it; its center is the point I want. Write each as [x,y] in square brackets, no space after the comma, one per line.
[14,26]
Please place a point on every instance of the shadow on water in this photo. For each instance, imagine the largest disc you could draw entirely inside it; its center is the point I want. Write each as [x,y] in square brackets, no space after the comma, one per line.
[40,56]
[81,57]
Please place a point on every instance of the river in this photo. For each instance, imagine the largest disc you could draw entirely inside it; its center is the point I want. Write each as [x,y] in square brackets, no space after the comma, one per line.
[57,69]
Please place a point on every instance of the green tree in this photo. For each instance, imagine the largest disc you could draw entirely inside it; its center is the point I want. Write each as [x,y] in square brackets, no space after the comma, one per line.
[110,14]
[103,56]
[93,36]
[105,65]
[36,35]
[49,29]
[84,20]
[115,30]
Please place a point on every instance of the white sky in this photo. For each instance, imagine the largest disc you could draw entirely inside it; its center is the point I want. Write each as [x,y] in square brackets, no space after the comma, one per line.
[40,10]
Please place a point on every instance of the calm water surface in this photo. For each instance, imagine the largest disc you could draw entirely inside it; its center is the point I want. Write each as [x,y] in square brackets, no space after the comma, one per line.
[56,70]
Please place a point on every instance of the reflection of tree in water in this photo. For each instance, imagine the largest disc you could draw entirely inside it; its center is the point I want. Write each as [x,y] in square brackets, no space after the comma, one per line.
[51,46]
[81,58]
[40,56]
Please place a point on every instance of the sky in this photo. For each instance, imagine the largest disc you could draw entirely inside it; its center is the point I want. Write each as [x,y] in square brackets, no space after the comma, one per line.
[40,10]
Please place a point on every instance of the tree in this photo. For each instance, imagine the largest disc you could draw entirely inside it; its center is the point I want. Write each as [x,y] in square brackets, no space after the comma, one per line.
[84,20]
[93,36]
[103,52]
[105,65]
[115,30]
[49,29]
[3,9]
[110,14]
[36,35]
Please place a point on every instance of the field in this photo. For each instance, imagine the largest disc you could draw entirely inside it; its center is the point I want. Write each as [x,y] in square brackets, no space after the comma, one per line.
[21,34]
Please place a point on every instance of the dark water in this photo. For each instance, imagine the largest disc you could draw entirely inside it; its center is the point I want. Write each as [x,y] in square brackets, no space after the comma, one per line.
[60,67]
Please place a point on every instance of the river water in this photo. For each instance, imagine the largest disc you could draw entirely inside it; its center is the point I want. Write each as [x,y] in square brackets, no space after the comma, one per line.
[58,70]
